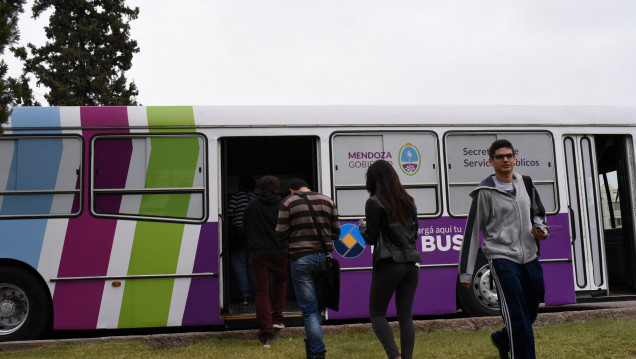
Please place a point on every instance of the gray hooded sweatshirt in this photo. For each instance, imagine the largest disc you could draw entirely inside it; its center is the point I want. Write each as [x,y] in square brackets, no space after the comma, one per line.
[503,219]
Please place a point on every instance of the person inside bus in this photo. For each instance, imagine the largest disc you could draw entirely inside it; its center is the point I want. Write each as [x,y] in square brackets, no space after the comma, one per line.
[267,256]
[238,243]
[391,226]
[501,211]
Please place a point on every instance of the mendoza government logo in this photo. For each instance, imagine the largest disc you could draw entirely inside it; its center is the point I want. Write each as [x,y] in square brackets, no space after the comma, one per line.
[351,243]
[409,158]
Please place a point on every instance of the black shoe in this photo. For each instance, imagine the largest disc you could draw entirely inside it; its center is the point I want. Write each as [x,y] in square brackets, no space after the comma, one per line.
[503,352]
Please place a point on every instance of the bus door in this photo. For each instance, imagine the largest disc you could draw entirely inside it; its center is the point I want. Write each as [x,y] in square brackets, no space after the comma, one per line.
[243,161]
[599,202]
[615,158]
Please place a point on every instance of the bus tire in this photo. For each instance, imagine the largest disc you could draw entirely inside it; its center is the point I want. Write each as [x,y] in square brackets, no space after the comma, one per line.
[481,299]
[25,309]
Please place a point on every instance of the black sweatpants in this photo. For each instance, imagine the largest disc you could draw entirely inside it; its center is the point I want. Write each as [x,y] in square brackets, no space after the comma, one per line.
[520,288]
[400,278]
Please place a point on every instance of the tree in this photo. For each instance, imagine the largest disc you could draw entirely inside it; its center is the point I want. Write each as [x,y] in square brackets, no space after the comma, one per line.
[87,53]
[13,91]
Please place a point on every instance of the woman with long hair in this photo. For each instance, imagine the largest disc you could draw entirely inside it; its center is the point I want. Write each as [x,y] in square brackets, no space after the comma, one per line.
[391,226]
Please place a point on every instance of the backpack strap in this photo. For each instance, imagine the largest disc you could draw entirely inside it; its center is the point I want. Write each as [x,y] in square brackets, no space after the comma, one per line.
[527,181]
[313,218]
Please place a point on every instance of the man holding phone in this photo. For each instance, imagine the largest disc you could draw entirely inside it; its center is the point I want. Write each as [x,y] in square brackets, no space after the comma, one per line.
[509,221]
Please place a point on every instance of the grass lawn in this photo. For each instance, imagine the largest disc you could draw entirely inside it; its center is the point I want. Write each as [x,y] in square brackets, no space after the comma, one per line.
[596,339]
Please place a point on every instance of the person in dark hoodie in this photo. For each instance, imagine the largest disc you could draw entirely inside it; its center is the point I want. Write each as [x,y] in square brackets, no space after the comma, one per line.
[267,255]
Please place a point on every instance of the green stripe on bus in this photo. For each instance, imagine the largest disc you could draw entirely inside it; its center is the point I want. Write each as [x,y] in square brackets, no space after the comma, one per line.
[159,116]
[156,245]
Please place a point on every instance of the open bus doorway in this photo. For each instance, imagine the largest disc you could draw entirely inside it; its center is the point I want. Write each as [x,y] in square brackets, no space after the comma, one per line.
[616,187]
[601,183]
[284,157]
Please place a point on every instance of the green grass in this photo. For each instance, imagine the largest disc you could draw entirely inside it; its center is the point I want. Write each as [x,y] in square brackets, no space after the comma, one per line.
[596,339]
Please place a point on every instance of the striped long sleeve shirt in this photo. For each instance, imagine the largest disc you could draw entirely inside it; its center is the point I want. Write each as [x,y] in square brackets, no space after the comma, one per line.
[236,207]
[296,226]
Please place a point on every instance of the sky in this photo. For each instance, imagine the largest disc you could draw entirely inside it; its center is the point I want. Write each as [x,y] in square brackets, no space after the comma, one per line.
[378,52]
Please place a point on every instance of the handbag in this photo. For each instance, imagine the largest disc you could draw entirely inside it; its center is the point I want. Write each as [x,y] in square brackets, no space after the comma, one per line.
[329,285]
[329,277]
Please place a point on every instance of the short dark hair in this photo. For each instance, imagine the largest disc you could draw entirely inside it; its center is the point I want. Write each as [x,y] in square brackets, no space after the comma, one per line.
[502,143]
[267,184]
[296,184]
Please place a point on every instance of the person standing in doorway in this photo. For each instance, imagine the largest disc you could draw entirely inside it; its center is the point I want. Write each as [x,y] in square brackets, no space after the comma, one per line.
[295,224]
[391,226]
[267,256]
[509,221]
[238,242]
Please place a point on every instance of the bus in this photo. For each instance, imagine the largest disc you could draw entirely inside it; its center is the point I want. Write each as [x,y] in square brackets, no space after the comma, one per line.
[116,217]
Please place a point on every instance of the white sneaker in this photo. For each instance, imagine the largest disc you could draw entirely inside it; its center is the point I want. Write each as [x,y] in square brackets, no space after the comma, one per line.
[267,344]
[279,326]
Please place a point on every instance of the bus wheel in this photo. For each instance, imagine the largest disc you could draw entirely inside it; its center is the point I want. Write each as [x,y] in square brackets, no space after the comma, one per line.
[24,305]
[481,299]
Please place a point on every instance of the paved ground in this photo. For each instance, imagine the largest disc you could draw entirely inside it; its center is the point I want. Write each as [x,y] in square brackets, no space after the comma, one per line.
[625,309]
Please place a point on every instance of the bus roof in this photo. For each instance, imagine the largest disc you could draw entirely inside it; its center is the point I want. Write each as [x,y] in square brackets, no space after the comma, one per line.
[320,116]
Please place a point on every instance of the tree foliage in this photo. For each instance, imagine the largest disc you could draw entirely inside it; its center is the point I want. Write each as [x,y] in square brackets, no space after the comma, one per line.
[87,53]
[13,91]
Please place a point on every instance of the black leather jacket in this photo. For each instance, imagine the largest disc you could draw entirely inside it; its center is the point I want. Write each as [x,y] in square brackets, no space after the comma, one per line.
[399,239]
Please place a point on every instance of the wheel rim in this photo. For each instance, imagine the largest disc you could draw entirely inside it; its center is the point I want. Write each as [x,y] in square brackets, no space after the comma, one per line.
[14,308]
[484,288]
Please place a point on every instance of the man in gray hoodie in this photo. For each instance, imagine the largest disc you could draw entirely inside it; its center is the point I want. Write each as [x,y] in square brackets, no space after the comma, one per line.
[509,221]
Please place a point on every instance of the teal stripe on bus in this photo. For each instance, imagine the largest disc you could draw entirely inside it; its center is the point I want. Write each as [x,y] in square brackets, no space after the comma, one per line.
[23,239]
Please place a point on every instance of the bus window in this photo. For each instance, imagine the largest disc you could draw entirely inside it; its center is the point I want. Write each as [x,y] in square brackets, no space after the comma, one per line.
[467,161]
[40,176]
[414,155]
[150,176]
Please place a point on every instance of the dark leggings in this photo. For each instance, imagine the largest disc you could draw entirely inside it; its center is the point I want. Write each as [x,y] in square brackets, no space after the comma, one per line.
[400,278]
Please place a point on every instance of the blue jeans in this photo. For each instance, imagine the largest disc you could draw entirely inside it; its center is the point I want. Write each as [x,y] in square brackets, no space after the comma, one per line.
[304,273]
[239,264]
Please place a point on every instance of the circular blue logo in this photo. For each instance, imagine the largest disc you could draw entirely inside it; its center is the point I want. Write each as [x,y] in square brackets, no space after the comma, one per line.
[409,158]
[351,243]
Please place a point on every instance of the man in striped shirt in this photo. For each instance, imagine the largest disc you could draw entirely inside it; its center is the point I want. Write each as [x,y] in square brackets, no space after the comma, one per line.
[306,254]
[238,242]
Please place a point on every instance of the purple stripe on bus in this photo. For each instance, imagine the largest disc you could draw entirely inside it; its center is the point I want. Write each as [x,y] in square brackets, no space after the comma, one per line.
[112,159]
[435,294]
[202,306]
[557,245]
[208,243]
[558,276]
[558,279]
[439,242]
[354,295]
[77,304]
